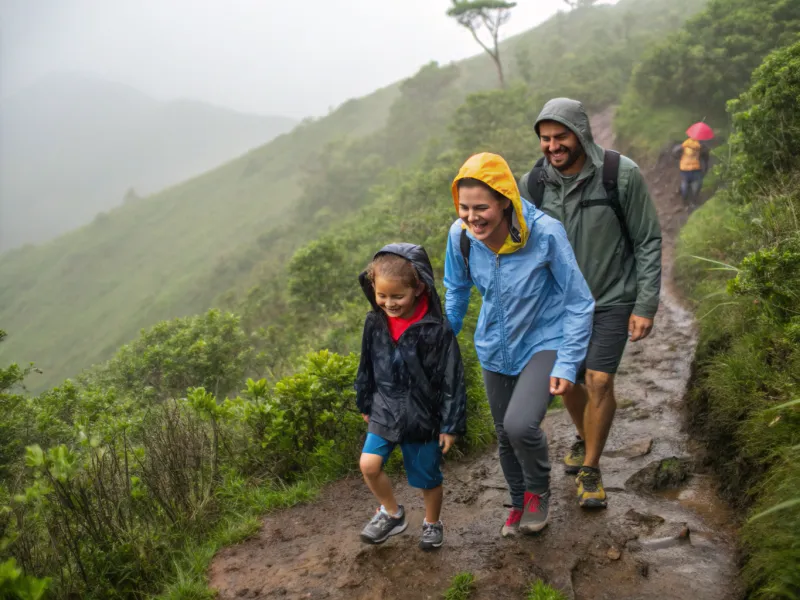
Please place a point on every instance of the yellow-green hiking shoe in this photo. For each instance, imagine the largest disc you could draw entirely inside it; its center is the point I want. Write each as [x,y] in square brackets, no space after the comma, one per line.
[573,461]
[590,488]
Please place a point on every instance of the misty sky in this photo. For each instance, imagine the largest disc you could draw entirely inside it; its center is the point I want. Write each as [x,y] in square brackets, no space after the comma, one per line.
[295,58]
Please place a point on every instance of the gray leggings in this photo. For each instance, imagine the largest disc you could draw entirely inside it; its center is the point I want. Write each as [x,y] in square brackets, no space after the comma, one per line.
[518,404]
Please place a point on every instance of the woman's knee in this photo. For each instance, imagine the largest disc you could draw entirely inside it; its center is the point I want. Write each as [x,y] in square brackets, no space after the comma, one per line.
[526,433]
[371,465]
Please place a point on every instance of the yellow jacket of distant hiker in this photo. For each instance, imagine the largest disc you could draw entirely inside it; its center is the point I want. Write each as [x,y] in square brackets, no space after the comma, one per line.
[690,159]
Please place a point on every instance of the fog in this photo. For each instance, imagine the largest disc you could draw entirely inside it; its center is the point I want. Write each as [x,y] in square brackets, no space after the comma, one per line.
[297,58]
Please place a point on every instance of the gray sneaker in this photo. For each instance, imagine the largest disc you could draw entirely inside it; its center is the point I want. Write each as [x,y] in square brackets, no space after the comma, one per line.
[383,525]
[432,535]
[534,516]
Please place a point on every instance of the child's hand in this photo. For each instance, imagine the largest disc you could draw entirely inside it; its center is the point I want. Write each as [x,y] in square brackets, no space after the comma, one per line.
[365,417]
[446,442]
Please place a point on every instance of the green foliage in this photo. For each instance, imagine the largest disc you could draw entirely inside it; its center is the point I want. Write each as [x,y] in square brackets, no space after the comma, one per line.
[15,427]
[691,75]
[767,119]
[771,276]
[748,357]
[539,590]
[119,490]
[712,58]
[501,122]
[16,586]
[209,350]
[461,587]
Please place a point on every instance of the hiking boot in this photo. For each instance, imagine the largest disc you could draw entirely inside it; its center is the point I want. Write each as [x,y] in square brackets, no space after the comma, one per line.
[432,535]
[511,526]
[590,488]
[383,525]
[534,515]
[574,460]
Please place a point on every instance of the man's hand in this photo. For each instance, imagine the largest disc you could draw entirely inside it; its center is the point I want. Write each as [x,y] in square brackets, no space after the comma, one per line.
[559,386]
[639,328]
[365,417]
[446,442]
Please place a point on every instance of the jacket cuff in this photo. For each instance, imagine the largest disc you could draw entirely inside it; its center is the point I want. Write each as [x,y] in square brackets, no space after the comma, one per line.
[564,372]
[648,312]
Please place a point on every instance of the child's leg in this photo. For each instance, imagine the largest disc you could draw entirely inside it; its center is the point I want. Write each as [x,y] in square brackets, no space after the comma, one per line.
[423,464]
[375,453]
[378,482]
[433,503]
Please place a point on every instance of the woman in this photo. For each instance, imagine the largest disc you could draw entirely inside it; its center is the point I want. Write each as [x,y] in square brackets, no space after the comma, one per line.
[534,324]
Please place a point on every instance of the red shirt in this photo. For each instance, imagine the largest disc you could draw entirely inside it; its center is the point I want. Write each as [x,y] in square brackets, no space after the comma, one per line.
[398,325]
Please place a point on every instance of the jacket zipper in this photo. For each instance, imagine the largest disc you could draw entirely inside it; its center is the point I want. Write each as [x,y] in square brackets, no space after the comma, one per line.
[502,312]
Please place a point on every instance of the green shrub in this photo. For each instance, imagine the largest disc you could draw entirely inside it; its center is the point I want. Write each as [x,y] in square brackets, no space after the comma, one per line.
[743,397]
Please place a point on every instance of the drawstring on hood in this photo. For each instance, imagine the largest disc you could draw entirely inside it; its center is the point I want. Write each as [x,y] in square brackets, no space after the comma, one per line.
[493,170]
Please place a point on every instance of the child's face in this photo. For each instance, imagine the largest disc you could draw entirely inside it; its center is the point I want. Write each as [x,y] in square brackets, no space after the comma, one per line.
[395,298]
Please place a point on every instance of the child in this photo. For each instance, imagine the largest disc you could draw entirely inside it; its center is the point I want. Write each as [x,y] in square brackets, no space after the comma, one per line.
[409,388]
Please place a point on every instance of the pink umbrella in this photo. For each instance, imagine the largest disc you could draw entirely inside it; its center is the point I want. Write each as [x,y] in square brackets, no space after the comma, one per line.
[700,131]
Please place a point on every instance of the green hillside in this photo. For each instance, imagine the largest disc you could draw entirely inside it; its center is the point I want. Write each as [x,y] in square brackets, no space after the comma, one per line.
[69,303]
[75,145]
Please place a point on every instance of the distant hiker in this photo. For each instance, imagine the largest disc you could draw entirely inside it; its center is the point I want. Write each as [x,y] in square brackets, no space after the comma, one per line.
[603,202]
[410,387]
[534,324]
[694,156]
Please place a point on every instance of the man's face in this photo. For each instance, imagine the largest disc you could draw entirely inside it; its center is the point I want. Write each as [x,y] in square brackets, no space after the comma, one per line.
[561,147]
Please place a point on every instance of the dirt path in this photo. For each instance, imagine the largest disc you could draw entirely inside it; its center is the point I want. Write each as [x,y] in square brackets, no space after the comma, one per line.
[674,544]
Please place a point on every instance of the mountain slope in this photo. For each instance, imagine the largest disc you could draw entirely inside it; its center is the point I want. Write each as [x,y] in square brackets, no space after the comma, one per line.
[72,146]
[71,302]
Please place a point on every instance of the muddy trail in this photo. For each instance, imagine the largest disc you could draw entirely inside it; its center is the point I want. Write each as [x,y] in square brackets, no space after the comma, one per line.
[672,543]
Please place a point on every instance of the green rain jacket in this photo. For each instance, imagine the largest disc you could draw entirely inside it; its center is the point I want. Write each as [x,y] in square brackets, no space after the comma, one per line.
[617,275]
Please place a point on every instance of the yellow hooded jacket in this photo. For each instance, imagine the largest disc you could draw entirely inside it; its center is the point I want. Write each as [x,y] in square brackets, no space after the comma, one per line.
[493,170]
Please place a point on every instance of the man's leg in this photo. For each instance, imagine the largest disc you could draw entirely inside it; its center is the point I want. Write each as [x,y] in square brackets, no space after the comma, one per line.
[609,336]
[599,415]
[575,400]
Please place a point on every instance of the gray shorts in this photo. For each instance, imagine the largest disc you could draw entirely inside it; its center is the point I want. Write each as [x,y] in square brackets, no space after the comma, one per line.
[609,336]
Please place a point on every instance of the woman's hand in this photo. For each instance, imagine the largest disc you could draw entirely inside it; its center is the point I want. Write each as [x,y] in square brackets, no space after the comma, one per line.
[365,417]
[446,442]
[559,386]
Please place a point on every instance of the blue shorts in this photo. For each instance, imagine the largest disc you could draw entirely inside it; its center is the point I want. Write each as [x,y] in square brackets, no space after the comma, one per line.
[422,460]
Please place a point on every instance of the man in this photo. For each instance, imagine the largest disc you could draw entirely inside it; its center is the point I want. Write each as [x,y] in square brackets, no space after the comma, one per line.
[612,225]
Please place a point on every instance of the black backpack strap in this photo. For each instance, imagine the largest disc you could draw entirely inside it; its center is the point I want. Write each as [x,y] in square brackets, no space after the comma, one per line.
[465,248]
[536,183]
[611,161]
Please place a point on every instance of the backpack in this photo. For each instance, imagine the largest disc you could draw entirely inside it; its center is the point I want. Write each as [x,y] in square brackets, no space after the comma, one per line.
[536,193]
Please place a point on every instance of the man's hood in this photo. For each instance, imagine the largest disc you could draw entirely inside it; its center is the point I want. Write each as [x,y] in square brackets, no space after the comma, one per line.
[493,170]
[571,114]
[417,256]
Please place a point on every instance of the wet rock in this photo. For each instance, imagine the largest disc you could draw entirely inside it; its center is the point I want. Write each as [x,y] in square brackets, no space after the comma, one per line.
[660,475]
[644,518]
[638,414]
[643,568]
[624,403]
[613,553]
[634,450]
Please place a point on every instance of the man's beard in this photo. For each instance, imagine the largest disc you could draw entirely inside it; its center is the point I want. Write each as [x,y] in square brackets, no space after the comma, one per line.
[574,155]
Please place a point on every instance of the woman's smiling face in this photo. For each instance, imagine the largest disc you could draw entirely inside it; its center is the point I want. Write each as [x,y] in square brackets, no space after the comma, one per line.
[484,214]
